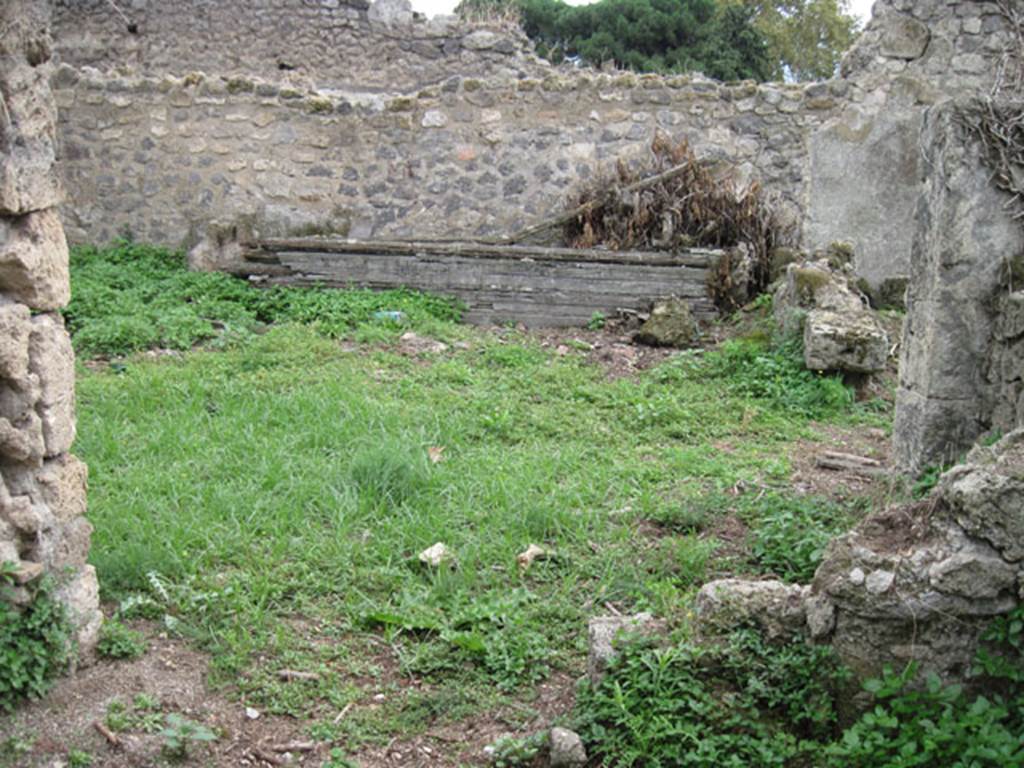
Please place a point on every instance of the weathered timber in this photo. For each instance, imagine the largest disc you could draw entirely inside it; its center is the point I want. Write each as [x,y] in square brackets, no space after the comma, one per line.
[533,285]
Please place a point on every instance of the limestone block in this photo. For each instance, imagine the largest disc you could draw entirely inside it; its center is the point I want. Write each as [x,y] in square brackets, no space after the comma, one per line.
[671,324]
[53,360]
[777,608]
[68,545]
[976,571]
[22,441]
[904,37]
[27,135]
[62,483]
[81,596]
[603,632]
[15,326]
[34,260]
[854,342]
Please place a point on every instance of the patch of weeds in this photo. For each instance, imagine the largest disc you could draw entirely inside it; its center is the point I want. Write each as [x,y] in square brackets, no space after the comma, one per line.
[119,642]
[792,532]
[515,752]
[597,321]
[337,759]
[131,297]
[13,748]
[915,722]
[927,481]
[389,471]
[495,632]
[746,702]
[180,734]
[78,758]
[143,714]
[35,641]
[777,377]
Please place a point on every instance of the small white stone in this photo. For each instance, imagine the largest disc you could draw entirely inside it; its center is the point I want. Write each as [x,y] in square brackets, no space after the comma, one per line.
[856,577]
[436,555]
[878,582]
[252,714]
[434,119]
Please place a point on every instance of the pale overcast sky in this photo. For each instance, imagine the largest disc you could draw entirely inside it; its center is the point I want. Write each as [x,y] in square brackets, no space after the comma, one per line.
[861,8]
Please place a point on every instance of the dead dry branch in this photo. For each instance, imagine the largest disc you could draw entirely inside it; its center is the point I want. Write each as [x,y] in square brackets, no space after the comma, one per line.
[674,201]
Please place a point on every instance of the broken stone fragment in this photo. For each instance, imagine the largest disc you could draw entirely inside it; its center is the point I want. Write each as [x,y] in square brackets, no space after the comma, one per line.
[15,327]
[778,609]
[81,596]
[565,749]
[34,260]
[603,632]
[437,555]
[851,341]
[52,360]
[671,324]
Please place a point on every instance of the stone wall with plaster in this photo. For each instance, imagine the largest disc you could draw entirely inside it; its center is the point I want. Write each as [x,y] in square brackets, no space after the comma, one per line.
[370,132]
[42,486]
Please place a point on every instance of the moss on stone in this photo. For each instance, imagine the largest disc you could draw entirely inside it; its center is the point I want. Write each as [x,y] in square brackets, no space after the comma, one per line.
[240,85]
[401,104]
[319,105]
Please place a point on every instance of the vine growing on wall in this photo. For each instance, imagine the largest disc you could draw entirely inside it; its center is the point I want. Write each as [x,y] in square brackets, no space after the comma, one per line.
[997,121]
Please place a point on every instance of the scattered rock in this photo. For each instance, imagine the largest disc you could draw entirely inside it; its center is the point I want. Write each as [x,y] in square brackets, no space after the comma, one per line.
[566,749]
[604,631]
[853,341]
[671,324]
[414,344]
[905,38]
[778,609]
[437,555]
[252,714]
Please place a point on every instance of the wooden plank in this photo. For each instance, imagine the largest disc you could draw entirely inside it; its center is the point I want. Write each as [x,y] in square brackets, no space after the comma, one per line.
[264,250]
[532,285]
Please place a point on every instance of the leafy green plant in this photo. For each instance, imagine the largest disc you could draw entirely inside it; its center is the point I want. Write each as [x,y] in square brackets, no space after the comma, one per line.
[933,725]
[337,759]
[35,642]
[142,715]
[78,758]
[515,752]
[180,733]
[792,532]
[597,321]
[928,479]
[119,642]
[752,369]
[747,702]
[132,296]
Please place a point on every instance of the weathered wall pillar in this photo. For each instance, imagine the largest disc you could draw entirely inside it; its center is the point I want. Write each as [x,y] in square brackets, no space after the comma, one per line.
[951,389]
[42,486]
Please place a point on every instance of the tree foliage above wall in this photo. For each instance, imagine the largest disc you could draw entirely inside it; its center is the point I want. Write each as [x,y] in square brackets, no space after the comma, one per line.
[724,39]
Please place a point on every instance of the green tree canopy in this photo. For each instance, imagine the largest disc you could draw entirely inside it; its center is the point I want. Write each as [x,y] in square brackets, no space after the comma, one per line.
[806,38]
[725,39]
[645,35]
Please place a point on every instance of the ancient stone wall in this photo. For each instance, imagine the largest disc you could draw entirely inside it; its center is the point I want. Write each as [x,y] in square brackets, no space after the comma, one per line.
[42,486]
[394,136]
[332,44]
[469,157]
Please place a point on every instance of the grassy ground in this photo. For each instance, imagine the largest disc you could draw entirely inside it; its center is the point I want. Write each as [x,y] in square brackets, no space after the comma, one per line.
[268,497]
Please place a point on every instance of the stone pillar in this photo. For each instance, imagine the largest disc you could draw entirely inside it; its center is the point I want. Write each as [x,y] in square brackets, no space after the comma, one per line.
[42,486]
[965,239]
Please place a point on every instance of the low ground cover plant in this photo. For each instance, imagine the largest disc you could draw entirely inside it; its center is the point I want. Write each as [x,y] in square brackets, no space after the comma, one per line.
[35,642]
[130,297]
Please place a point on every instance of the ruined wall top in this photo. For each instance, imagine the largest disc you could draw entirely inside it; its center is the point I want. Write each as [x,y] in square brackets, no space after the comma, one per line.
[338,44]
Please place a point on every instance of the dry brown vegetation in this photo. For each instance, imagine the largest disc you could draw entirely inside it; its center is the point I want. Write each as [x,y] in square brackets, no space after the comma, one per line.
[673,200]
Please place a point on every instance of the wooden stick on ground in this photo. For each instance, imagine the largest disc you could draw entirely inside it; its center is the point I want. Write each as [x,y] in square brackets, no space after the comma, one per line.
[112,738]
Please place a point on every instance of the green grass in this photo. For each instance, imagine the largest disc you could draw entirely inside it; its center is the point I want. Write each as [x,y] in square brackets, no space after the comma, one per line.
[268,498]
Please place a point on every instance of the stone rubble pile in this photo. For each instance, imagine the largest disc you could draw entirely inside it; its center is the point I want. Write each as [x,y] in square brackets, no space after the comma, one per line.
[915,582]
[840,332]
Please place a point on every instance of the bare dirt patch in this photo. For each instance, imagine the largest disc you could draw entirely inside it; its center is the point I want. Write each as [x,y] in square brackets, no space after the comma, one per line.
[174,675]
[867,442]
